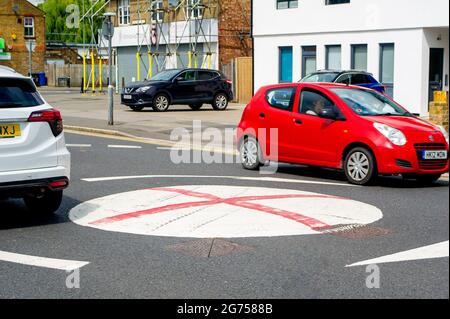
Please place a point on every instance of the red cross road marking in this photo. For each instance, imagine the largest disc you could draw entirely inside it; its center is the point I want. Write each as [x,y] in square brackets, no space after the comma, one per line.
[244,202]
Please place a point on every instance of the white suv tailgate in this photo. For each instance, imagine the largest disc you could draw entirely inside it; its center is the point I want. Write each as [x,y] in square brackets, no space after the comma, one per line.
[35,147]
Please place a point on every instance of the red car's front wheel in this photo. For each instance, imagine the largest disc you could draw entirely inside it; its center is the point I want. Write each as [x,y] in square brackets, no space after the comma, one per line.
[360,166]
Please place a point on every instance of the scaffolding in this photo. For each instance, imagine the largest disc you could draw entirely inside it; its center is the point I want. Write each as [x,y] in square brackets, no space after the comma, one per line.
[162,38]
[164,29]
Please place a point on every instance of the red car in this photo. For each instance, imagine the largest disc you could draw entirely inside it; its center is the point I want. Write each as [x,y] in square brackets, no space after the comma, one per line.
[350,128]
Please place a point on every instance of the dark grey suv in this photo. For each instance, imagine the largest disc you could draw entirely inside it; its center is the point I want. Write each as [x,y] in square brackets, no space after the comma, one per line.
[193,87]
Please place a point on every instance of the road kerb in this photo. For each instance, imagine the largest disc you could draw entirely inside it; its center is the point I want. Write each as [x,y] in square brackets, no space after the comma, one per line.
[112,134]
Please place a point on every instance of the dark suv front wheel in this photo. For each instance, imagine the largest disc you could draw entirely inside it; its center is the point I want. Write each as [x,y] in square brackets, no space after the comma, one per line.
[220,102]
[161,103]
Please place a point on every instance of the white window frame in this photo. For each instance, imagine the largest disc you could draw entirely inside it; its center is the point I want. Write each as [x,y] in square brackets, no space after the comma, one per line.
[28,26]
[192,13]
[123,9]
[157,5]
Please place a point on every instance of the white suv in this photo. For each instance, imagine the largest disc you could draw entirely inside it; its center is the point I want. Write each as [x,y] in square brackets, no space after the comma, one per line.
[34,160]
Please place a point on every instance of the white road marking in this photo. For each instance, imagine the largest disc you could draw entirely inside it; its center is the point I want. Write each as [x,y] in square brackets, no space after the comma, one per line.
[79,145]
[125,146]
[242,178]
[60,264]
[217,211]
[439,250]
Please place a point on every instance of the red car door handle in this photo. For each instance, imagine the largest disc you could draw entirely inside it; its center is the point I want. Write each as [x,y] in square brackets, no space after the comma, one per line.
[262,115]
[297,121]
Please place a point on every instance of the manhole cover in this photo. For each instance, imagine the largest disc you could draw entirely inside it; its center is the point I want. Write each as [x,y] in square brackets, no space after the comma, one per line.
[208,248]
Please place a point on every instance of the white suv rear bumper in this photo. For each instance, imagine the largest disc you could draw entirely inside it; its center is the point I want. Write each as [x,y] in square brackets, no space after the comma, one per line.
[35,174]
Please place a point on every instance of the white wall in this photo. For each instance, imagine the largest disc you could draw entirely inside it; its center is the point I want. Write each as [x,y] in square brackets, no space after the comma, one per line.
[313,16]
[411,60]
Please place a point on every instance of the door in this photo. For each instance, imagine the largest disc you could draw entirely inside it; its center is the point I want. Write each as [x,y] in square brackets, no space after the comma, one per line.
[436,71]
[184,88]
[276,114]
[315,139]
[207,85]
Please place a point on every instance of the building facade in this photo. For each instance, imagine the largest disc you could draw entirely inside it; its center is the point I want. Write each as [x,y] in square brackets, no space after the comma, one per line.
[163,34]
[403,43]
[22,25]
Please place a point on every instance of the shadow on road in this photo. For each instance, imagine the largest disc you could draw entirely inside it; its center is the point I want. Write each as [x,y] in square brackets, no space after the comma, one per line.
[339,176]
[14,214]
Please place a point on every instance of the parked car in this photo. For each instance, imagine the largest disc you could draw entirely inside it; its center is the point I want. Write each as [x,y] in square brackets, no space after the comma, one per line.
[359,78]
[34,161]
[193,87]
[350,128]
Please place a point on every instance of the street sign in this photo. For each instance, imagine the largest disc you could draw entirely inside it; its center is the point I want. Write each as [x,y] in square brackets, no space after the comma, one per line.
[31,45]
[107,29]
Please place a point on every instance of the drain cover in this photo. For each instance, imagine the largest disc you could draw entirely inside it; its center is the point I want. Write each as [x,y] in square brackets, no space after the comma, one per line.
[207,248]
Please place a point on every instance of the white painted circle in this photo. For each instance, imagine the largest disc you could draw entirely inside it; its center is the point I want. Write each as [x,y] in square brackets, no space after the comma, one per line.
[210,211]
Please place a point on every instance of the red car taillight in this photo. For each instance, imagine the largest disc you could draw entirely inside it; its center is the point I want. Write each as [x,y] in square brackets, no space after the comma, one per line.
[52,117]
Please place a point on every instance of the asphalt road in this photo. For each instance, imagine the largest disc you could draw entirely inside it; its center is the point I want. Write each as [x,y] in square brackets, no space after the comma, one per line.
[126,265]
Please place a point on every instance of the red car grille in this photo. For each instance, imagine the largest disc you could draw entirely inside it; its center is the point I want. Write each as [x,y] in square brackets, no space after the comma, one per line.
[431,164]
[430,147]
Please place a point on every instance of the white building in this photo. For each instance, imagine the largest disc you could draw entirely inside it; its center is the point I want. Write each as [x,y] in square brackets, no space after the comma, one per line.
[404,43]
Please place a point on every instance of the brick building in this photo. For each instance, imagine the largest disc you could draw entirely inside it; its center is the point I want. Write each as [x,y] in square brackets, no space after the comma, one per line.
[20,22]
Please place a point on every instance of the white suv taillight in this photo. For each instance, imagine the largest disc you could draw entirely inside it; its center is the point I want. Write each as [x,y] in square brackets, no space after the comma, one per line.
[52,117]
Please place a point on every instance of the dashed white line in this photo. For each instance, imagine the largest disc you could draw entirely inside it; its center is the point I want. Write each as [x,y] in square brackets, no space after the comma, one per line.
[125,146]
[79,145]
[439,250]
[59,264]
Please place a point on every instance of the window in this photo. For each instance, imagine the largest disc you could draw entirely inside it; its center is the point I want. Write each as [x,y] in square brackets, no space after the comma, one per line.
[308,60]
[124,12]
[359,78]
[157,13]
[18,93]
[320,77]
[205,75]
[331,2]
[28,23]
[344,79]
[188,76]
[333,57]
[359,57]
[313,102]
[285,64]
[369,103]
[287,4]
[387,55]
[195,9]
[354,79]
[281,98]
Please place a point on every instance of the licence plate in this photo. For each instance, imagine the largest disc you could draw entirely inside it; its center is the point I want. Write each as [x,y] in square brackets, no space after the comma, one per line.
[127,97]
[434,155]
[9,130]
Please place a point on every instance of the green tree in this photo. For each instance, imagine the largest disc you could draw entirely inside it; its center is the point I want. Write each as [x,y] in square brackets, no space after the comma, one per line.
[57,13]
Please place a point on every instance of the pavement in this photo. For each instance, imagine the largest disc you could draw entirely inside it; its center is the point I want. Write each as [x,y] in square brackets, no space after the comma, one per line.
[91,111]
